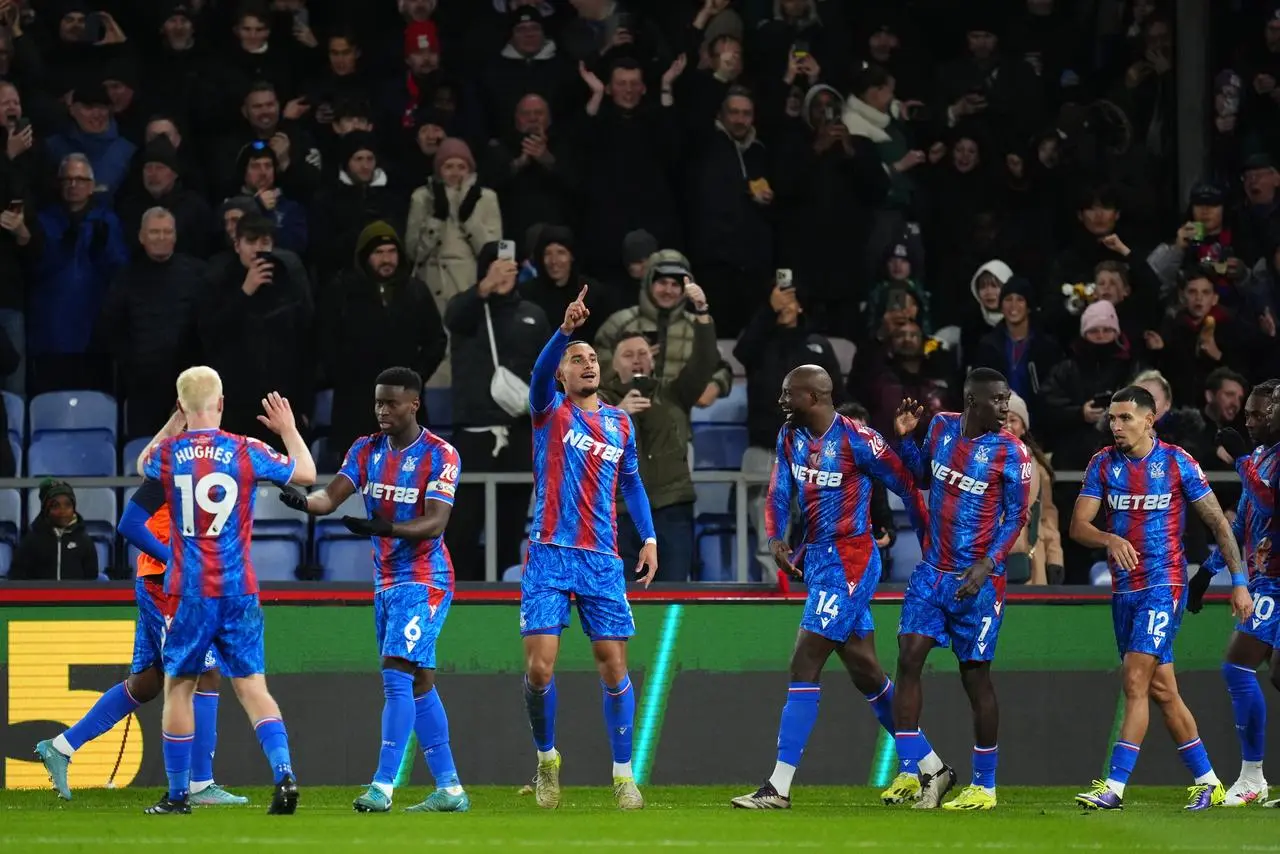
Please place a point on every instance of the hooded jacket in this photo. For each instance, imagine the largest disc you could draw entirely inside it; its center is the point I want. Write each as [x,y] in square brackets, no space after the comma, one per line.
[443,251]
[109,154]
[48,553]
[978,320]
[343,207]
[671,329]
[520,330]
[368,325]
[553,299]
[663,431]
[726,225]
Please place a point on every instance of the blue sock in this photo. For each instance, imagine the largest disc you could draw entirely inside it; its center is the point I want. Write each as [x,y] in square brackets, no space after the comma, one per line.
[1195,757]
[177,764]
[397,723]
[541,706]
[912,746]
[206,706]
[882,704]
[1250,709]
[798,717]
[619,717]
[1124,756]
[111,708]
[432,728]
[985,760]
[275,744]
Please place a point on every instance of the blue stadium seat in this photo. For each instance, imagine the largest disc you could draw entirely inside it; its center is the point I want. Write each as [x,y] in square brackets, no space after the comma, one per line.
[129,457]
[71,455]
[6,559]
[322,418]
[346,559]
[15,411]
[275,559]
[16,446]
[96,505]
[439,407]
[271,518]
[1100,574]
[104,558]
[513,574]
[328,527]
[10,515]
[726,347]
[713,498]
[74,411]
[719,446]
[725,410]
[715,553]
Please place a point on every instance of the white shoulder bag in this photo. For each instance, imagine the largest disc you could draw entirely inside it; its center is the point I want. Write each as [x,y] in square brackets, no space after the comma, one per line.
[507,390]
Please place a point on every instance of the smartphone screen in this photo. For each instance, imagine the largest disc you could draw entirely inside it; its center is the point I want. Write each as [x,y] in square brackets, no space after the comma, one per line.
[506,250]
[783,279]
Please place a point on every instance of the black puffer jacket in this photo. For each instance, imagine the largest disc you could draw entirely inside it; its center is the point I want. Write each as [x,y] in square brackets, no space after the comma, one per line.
[521,330]
[47,553]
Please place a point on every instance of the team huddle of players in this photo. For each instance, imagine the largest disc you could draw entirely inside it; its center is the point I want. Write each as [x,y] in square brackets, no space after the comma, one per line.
[966,490]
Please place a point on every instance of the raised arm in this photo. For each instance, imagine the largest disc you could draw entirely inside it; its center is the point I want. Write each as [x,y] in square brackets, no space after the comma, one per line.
[133,522]
[542,386]
[278,417]
[174,426]
[913,456]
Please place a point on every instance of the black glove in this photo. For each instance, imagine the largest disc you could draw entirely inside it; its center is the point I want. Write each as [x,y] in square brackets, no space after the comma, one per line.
[375,527]
[469,202]
[1200,581]
[292,498]
[439,199]
[1233,442]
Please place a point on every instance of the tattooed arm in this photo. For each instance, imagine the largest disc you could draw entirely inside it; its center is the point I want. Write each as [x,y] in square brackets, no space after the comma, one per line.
[1210,512]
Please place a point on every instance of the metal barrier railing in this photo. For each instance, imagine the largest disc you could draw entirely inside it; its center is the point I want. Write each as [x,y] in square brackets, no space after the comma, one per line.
[741,482]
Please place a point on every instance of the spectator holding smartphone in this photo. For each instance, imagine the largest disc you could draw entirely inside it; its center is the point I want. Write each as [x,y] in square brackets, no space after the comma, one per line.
[660,410]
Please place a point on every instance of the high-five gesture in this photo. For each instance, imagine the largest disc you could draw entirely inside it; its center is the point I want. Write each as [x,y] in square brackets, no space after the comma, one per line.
[907,418]
[278,417]
[576,314]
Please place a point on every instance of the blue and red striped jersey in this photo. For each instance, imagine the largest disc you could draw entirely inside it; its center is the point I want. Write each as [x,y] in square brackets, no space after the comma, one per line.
[1255,525]
[396,486]
[979,493]
[210,479]
[830,476]
[579,458]
[1146,503]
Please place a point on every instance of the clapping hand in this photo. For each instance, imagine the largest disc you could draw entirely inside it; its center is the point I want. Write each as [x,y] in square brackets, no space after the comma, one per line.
[576,313]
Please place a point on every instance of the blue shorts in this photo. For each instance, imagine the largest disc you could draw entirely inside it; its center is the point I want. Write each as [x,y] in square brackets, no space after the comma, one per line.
[155,609]
[231,625]
[597,582]
[969,626]
[1265,623]
[834,610]
[1147,621]
[408,619]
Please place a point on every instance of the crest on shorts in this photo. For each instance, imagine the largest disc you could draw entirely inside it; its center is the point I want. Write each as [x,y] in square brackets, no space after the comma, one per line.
[982,455]
[1156,469]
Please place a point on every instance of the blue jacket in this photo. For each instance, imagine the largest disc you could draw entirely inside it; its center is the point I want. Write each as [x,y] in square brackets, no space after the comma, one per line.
[291,225]
[71,278]
[109,153]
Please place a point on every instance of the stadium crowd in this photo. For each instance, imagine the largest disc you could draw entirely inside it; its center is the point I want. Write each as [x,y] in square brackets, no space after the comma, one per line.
[301,193]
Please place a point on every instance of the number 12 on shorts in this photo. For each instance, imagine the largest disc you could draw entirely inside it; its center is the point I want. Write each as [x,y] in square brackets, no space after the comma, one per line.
[1156,623]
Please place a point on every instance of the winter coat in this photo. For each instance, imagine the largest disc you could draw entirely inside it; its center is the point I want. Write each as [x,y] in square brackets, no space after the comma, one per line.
[71,277]
[663,431]
[726,225]
[1089,370]
[343,209]
[367,325]
[47,553]
[193,221]
[769,352]
[671,329]
[534,194]
[109,154]
[890,138]
[1041,354]
[520,329]
[444,252]
[510,76]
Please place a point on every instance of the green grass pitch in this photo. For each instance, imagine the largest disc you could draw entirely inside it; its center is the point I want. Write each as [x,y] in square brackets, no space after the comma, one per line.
[676,818]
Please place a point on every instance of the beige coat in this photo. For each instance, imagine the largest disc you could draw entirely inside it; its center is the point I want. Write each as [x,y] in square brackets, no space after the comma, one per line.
[444,252]
[1048,547]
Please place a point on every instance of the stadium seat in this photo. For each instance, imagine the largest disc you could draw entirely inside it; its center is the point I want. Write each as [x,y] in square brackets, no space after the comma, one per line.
[15,415]
[10,515]
[725,410]
[322,418]
[271,518]
[713,498]
[275,559]
[725,346]
[845,351]
[329,527]
[346,559]
[716,545]
[15,445]
[104,558]
[905,554]
[439,407]
[71,455]
[513,574]
[6,559]
[129,457]
[719,446]
[319,448]
[1100,574]
[74,412]
[96,505]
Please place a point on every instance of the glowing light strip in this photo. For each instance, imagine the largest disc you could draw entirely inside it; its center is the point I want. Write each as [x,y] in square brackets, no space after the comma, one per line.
[657,684]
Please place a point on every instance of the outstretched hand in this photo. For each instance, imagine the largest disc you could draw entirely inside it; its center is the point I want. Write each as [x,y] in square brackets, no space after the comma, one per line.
[647,566]
[294,499]
[576,313]
[1230,440]
[375,527]
[907,418]
[278,417]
